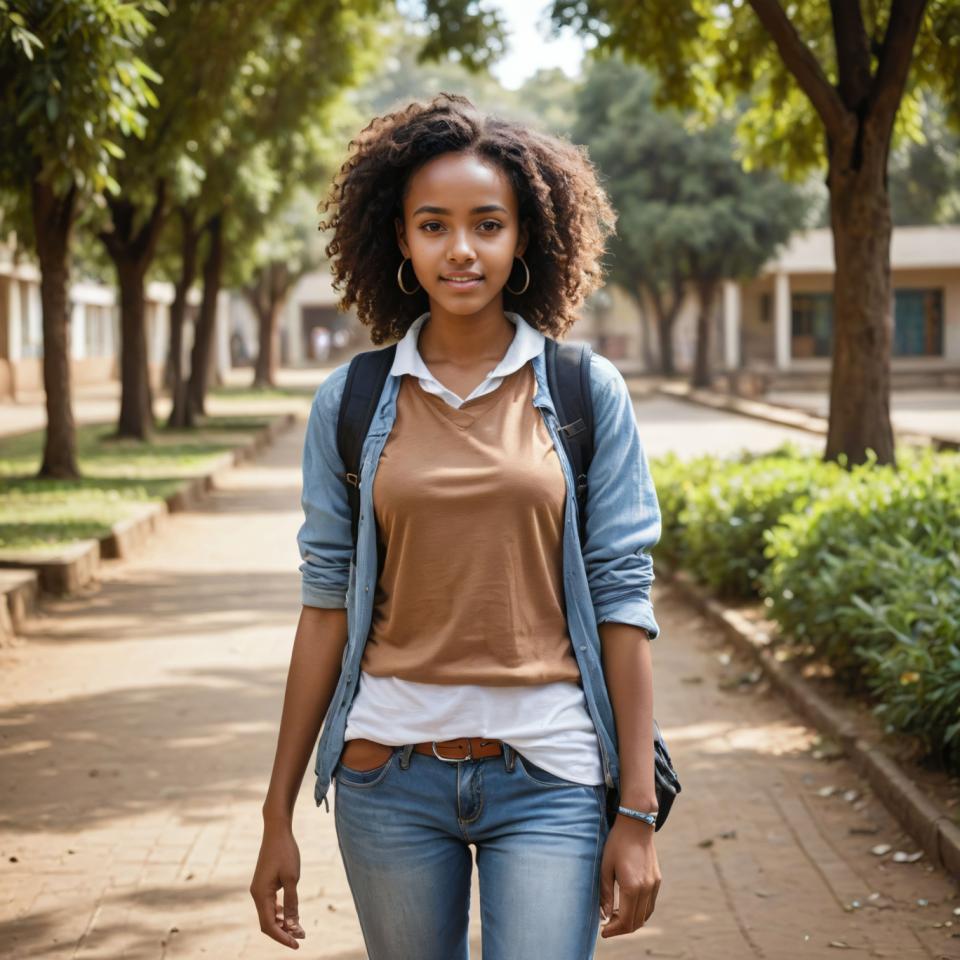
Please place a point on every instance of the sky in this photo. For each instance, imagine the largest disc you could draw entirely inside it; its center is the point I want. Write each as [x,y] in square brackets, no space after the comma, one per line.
[529,50]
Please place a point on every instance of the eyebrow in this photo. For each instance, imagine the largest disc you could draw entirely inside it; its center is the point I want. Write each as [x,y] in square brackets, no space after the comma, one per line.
[488,208]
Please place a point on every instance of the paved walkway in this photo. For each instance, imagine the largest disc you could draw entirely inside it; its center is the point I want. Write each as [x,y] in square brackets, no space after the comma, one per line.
[137,729]
[935,412]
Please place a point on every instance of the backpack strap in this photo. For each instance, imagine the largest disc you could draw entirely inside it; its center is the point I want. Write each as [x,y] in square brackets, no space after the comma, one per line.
[365,380]
[568,378]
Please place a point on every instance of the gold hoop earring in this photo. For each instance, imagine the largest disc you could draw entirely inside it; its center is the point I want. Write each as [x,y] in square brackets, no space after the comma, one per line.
[400,279]
[517,293]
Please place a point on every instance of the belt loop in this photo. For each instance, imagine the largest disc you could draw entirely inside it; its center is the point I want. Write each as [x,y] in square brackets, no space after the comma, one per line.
[509,756]
[405,752]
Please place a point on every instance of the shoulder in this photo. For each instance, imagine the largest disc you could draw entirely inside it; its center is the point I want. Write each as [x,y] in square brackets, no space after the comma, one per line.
[326,399]
[606,380]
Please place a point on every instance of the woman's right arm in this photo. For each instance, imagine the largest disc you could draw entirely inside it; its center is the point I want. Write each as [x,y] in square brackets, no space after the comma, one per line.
[326,547]
[311,679]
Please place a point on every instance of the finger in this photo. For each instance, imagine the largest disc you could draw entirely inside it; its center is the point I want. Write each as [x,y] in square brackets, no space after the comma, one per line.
[622,914]
[653,900]
[268,910]
[291,915]
[606,891]
[640,901]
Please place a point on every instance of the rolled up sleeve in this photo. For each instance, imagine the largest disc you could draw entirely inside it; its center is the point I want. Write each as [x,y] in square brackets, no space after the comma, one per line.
[623,514]
[325,539]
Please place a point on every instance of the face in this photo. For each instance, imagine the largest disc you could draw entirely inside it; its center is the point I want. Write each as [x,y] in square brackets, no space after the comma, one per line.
[460,215]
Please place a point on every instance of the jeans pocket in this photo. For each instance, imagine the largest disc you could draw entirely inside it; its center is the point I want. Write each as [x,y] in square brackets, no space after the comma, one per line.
[363,778]
[542,777]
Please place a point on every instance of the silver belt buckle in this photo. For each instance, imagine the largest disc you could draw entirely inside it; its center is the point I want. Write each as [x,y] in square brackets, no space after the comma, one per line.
[469,756]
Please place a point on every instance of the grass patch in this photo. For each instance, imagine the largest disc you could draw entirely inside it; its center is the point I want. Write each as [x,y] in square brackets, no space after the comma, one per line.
[261,393]
[119,477]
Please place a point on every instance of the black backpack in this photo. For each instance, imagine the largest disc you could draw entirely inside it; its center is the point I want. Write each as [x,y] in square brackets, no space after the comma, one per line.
[568,379]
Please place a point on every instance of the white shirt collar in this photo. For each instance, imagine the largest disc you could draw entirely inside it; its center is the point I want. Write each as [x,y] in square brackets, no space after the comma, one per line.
[527,343]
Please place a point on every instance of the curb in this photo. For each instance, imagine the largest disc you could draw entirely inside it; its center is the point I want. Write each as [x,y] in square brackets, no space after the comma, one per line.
[784,415]
[64,573]
[929,824]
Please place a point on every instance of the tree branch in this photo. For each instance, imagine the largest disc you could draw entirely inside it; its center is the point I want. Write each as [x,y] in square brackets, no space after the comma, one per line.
[895,56]
[853,52]
[802,64]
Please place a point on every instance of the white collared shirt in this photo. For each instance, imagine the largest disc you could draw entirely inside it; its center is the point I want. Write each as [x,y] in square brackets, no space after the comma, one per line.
[549,722]
[526,344]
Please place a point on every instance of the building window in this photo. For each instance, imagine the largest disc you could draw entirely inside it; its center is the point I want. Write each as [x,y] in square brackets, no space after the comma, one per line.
[918,323]
[811,324]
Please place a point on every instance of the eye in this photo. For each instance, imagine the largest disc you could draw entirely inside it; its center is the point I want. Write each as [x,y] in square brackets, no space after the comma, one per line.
[430,223]
[494,223]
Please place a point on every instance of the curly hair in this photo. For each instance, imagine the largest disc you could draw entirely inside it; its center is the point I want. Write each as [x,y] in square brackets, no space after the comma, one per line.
[567,211]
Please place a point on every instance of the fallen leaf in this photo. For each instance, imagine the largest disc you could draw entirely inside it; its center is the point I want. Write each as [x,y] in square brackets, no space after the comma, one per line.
[901,856]
[880,849]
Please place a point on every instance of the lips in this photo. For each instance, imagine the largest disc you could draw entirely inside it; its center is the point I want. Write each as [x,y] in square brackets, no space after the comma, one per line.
[462,283]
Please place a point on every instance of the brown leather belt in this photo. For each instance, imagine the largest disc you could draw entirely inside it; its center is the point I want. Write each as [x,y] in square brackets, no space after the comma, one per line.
[364,754]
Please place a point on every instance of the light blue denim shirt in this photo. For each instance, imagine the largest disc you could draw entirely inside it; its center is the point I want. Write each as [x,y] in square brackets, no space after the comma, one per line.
[609,579]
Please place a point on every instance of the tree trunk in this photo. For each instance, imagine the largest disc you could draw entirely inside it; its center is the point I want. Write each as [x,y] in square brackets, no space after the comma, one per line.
[862,323]
[267,297]
[181,414]
[646,328]
[269,330]
[53,219]
[132,250]
[666,314]
[706,294]
[207,321]
[136,412]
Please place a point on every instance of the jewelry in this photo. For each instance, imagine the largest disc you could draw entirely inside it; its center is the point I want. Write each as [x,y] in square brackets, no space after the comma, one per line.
[400,279]
[650,818]
[517,293]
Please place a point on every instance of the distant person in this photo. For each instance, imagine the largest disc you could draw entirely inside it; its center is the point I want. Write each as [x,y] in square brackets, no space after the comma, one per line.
[320,341]
[459,704]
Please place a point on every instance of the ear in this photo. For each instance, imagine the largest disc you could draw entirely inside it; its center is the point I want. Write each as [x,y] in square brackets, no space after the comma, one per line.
[523,237]
[401,237]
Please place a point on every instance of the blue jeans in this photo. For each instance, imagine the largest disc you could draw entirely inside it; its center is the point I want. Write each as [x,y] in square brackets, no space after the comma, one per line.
[404,830]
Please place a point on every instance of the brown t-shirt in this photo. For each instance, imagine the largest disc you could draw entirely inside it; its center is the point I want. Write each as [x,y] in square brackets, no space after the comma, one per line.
[469,504]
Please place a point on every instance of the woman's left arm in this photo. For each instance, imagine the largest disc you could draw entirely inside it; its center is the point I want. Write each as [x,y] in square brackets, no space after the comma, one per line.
[629,854]
[622,526]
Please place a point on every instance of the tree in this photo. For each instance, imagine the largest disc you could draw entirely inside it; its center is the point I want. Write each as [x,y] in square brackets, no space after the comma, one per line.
[196,86]
[71,83]
[688,214]
[827,81]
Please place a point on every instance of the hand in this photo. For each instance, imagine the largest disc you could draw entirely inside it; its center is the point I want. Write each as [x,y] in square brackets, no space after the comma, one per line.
[278,866]
[629,857]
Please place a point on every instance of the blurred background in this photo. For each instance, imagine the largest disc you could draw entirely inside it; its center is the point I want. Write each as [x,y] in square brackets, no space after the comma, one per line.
[782,297]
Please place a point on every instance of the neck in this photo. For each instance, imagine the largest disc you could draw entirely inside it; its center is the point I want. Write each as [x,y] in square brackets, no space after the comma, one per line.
[465,340]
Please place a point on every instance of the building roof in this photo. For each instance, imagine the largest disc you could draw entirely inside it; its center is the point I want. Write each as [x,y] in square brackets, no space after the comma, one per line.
[911,247]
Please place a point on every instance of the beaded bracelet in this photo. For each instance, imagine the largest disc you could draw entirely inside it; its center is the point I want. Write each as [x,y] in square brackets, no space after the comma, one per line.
[650,818]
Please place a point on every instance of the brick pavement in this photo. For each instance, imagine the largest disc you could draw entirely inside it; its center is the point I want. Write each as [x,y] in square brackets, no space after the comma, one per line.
[137,728]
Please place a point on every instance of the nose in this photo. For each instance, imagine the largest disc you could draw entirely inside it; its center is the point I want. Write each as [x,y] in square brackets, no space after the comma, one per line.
[460,247]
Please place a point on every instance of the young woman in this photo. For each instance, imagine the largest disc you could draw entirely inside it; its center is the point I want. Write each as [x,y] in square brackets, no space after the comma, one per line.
[482,678]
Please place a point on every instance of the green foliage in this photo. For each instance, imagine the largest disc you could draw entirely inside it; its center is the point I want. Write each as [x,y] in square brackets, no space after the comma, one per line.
[908,639]
[816,560]
[687,211]
[710,55]
[860,567]
[676,479]
[71,83]
[727,515]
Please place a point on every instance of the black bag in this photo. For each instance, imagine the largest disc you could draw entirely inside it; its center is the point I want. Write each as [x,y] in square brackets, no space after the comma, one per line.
[568,379]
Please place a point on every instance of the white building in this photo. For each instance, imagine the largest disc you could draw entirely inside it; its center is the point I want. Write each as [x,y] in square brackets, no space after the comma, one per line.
[780,322]
[94,329]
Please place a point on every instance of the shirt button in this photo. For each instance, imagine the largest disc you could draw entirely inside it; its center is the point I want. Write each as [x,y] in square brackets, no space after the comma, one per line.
[583,646]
